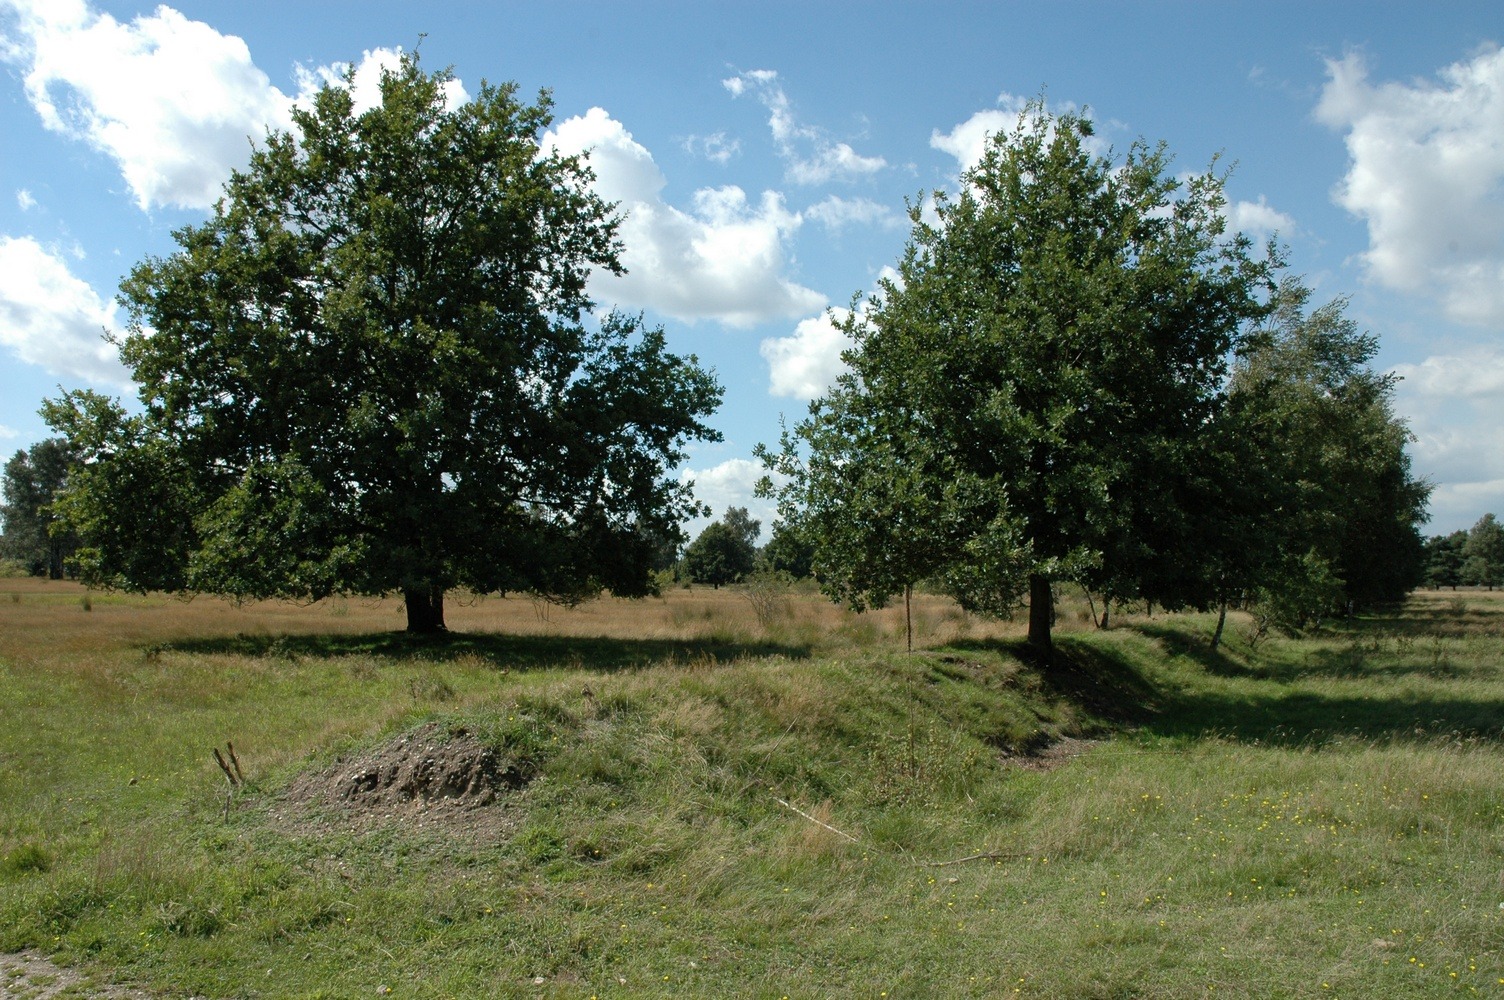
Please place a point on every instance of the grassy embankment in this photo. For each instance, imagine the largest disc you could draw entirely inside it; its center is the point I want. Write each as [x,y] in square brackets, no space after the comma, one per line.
[1320,817]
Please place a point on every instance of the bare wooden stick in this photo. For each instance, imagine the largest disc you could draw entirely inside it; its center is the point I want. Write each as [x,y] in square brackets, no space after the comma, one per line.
[236,761]
[817,822]
[229,775]
[991,856]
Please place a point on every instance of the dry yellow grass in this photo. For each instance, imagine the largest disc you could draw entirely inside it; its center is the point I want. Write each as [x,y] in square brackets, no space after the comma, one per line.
[30,610]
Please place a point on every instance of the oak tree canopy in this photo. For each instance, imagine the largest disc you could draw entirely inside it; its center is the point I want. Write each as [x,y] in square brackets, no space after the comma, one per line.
[375,369]
[1023,398]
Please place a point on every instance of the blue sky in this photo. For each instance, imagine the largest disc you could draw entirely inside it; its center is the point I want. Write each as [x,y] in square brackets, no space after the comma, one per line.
[762,155]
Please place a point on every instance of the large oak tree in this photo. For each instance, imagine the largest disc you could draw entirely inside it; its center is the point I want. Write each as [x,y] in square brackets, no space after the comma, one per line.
[1029,391]
[374,369]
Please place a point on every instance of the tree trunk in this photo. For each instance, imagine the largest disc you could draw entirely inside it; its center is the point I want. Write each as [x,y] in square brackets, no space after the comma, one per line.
[425,609]
[54,561]
[1041,613]
[908,615]
[1221,621]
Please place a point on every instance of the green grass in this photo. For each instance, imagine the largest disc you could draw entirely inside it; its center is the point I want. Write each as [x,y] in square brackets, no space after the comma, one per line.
[1313,817]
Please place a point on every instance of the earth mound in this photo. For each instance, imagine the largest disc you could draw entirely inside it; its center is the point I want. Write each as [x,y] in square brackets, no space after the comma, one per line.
[431,774]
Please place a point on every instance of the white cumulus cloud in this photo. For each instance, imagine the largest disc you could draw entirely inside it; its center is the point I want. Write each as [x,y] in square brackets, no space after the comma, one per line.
[176,104]
[53,319]
[729,484]
[806,363]
[813,157]
[25,201]
[1476,375]
[1452,403]
[723,258]
[1258,219]
[968,140]
[836,213]
[172,101]
[1426,173]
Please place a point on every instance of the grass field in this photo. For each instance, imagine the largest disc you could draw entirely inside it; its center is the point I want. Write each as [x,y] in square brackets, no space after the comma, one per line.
[726,797]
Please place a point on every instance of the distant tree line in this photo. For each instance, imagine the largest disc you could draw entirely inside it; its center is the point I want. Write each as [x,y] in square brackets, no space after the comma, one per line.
[726,551]
[33,535]
[1467,558]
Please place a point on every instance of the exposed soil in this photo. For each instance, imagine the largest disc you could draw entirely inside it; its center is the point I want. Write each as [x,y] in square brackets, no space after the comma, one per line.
[433,776]
[28,975]
[1052,755]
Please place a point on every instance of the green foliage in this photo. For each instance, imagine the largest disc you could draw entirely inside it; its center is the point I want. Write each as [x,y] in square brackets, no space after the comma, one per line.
[788,552]
[870,499]
[372,371]
[1023,399]
[1483,554]
[132,502]
[1306,592]
[1322,473]
[1444,556]
[33,534]
[725,551]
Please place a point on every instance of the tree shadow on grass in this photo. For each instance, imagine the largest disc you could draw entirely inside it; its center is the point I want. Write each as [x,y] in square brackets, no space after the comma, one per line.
[1249,707]
[510,652]
[1176,642]
[1368,654]
[1109,689]
[1416,620]
[1307,719]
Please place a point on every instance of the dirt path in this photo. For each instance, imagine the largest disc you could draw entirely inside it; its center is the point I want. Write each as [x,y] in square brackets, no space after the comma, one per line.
[29,975]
